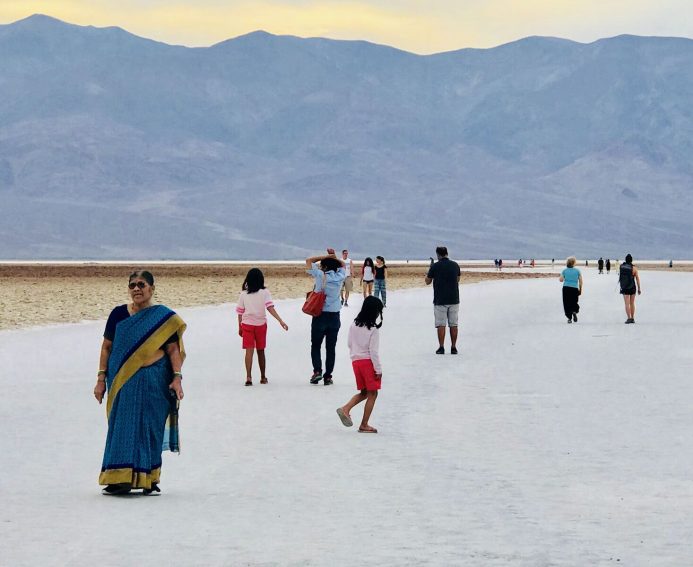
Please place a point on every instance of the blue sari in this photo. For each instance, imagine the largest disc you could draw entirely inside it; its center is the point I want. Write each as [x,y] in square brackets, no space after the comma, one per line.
[142,410]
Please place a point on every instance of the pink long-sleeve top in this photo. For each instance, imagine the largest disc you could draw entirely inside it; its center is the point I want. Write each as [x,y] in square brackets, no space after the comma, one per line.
[365,343]
[252,307]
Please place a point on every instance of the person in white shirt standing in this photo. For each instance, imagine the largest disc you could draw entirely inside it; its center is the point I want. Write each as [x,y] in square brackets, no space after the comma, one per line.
[254,301]
[348,285]
[364,345]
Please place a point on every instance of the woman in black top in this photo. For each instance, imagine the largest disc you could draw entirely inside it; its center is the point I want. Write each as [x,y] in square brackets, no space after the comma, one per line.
[379,289]
[629,280]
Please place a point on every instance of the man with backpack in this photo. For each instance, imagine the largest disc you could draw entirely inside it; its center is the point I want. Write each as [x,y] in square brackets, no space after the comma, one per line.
[629,280]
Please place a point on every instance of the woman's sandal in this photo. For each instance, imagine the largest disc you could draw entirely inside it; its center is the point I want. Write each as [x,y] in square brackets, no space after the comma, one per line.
[248,382]
[263,380]
[118,489]
[368,429]
[153,491]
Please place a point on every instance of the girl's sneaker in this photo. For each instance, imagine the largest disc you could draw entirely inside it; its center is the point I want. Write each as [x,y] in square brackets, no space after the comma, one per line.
[316,377]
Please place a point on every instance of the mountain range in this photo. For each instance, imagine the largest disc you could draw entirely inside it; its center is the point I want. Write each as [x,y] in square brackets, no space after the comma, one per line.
[113,146]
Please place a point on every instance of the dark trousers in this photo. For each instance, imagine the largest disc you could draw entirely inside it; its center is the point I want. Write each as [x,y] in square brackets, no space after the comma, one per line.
[325,326]
[570,301]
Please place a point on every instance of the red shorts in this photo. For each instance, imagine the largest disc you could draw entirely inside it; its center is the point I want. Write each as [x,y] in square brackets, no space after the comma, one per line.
[254,336]
[365,374]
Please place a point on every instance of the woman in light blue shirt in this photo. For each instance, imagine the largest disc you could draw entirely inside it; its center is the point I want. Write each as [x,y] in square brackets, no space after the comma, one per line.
[572,289]
[327,270]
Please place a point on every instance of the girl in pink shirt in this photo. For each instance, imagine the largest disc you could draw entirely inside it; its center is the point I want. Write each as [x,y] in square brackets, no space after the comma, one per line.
[253,303]
[364,344]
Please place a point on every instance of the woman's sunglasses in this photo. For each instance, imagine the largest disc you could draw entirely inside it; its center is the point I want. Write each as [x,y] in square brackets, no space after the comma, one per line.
[141,285]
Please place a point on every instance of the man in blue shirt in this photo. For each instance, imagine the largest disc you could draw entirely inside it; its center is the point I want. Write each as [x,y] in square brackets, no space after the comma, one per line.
[329,270]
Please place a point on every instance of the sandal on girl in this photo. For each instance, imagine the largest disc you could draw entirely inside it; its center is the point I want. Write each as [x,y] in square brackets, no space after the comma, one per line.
[263,380]
[346,420]
[248,382]
[368,429]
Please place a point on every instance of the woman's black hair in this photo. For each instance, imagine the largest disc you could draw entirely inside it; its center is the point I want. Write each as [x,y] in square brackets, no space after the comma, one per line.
[330,264]
[254,281]
[144,274]
[629,259]
[381,259]
[368,262]
[371,309]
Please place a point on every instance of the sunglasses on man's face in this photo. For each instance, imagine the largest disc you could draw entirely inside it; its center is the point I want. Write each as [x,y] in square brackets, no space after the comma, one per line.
[141,285]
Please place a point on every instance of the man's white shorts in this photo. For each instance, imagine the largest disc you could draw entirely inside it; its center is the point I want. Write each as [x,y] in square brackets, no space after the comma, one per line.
[446,315]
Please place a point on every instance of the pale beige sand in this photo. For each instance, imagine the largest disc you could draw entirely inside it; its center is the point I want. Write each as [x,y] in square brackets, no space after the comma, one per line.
[47,293]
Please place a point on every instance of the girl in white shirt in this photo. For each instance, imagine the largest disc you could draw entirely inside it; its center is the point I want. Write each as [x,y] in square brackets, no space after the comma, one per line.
[254,300]
[367,277]
[364,344]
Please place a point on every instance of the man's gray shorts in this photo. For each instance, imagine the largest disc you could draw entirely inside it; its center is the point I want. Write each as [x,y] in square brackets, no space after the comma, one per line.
[446,315]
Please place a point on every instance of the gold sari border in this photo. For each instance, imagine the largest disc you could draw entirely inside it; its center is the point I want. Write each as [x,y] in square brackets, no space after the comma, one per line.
[138,479]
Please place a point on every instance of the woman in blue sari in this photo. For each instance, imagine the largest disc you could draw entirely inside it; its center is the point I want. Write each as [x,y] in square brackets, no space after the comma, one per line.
[141,358]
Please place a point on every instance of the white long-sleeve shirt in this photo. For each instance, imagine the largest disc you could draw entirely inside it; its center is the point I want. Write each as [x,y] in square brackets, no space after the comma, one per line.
[365,343]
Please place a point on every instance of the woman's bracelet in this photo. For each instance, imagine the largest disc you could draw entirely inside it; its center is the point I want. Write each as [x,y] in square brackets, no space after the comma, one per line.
[178,375]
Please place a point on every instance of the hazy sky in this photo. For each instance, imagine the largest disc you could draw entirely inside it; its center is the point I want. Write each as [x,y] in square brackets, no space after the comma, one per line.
[421,26]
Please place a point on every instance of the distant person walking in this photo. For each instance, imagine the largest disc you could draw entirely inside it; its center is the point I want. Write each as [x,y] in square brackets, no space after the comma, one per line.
[445,275]
[254,301]
[348,285]
[600,265]
[380,282]
[629,281]
[329,271]
[608,266]
[572,289]
[367,276]
[364,346]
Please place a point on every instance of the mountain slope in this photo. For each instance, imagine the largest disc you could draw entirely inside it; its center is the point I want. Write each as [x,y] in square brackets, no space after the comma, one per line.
[272,146]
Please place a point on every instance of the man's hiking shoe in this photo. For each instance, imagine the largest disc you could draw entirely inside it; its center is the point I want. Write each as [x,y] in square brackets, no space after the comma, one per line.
[453,350]
[575,317]
[316,377]
[327,380]
[441,350]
